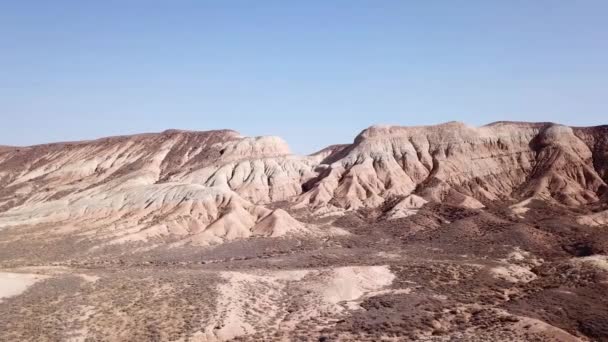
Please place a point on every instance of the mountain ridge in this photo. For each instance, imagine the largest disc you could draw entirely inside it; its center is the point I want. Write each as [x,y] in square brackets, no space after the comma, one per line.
[452,163]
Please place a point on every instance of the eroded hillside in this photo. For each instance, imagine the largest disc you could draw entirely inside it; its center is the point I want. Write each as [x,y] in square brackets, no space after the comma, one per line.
[435,233]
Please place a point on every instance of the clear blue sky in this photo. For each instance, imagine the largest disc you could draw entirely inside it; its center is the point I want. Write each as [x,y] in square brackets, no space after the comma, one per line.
[315,72]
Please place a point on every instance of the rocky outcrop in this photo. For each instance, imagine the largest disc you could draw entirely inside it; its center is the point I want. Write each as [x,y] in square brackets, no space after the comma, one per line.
[198,187]
[391,161]
[459,164]
[596,138]
[595,219]
[257,167]
[406,207]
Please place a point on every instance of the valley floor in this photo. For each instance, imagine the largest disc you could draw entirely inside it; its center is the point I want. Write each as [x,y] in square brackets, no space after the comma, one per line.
[444,274]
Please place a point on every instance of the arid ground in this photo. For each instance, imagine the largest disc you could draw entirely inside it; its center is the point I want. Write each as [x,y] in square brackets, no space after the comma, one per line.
[440,233]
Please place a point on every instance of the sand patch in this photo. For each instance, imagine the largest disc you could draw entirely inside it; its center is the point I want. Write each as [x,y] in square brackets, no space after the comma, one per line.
[50,271]
[13,284]
[595,219]
[521,208]
[350,283]
[513,273]
[264,300]
[598,261]
[248,301]
[551,332]
[407,207]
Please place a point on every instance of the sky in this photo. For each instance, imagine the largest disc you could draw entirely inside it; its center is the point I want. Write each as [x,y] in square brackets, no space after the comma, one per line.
[314,72]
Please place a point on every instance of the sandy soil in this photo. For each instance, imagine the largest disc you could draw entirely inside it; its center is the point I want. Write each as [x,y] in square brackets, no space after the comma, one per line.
[509,277]
[13,284]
